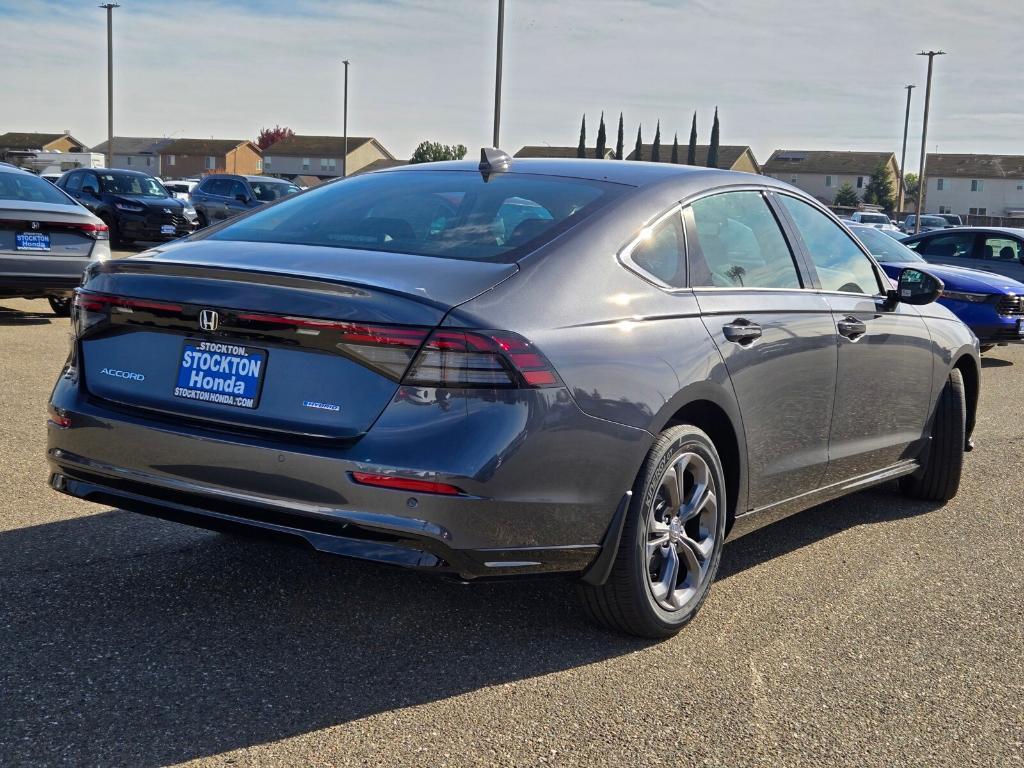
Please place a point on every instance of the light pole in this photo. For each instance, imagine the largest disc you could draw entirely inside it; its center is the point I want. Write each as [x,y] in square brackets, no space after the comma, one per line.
[110,81]
[497,73]
[344,124]
[921,181]
[903,156]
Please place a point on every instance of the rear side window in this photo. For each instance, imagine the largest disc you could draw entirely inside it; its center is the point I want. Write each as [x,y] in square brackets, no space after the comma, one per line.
[841,265]
[30,189]
[450,214]
[737,243]
[660,252]
[1001,249]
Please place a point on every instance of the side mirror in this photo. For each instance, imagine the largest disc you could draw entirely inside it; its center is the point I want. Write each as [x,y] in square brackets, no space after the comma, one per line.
[88,190]
[917,287]
[243,199]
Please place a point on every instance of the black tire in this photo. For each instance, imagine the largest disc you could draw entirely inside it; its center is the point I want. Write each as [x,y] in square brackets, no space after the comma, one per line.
[940,479]
[201,218]
[61,306]
[626,602]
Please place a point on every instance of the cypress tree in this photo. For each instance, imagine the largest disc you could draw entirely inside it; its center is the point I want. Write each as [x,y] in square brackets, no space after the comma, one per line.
[619,142]
[581,150]
[713,147]
[656,146]
[675,149]
[599,150]
[638,153]
[691,152]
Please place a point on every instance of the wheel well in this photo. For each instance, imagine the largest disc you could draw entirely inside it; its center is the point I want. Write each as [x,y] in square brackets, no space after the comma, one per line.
[969,371]
[709,417]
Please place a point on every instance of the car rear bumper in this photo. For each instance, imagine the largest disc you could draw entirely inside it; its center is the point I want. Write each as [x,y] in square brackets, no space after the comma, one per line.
[36,286]
[544,516]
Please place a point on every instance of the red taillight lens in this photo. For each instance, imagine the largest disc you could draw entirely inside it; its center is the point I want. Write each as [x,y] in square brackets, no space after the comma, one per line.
[405,484]
[95,231]
[479,359]
[58,417]
[89,309]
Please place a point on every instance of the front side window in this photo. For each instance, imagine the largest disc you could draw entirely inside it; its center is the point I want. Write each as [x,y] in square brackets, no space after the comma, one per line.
[74,182]
[839,262]
[948,246]
[737,243]
[450,214]
[237,189]
[660,251]
[217,187]
[1002,249]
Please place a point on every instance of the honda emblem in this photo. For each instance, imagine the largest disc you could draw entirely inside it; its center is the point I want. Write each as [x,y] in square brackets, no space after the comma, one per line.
[209,320]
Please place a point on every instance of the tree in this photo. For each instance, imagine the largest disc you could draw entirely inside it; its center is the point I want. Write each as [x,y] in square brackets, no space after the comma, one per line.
[910,187]
[691,151]
[713,146]
[879,188]
[619,142]
[675,149]
[268,136]
[431,151]
[656,146]
[638,152]
[581,150]
[601,138]
[846,196]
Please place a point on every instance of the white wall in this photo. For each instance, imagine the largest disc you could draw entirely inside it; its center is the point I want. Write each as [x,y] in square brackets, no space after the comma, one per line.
[814,183]
[996,196]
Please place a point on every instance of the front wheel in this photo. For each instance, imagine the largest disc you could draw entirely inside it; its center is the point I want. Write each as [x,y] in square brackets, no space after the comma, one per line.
[940,478]
[61,305]
[671,542]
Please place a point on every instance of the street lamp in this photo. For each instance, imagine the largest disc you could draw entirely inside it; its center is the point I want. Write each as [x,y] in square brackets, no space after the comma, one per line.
[110,81]
[903,156]
[344,122]
[497,72]
[921,181]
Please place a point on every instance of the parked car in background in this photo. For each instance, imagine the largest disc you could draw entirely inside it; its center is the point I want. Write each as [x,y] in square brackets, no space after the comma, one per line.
[951,218]
[134,205]
[387,368]
[991,305]
[46,239]
[53,178]
[894,233]
[993,249]
[872,219]
[180,188]
[220,196]
[928,223]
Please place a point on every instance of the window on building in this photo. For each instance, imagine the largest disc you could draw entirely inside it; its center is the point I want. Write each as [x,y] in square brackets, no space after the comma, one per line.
[828,181]
[259,164]
[978,211]
[305,163]
[128,160]
[940,184]
[793,179]
[977,185]
[170,159]
[211,162]
[945,209]
[149,162]
[266,162]
[860,182]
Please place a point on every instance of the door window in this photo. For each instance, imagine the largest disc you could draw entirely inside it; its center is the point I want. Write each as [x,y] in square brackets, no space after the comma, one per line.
[661,253]
[74,183]
[840,263]
[1001,249]
[91,180]
[737,243]
[948,246]
[217,187]
[236,188]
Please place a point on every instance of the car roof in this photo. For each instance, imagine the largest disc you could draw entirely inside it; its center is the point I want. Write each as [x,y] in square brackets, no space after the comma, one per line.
[243,177]
[1016,231]
[123,171]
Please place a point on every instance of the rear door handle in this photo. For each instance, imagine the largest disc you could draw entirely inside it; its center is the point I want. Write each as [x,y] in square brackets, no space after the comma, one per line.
[851,328]
[741,331]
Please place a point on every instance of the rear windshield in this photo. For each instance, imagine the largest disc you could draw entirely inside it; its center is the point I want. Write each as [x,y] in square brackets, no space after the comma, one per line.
[874,218]
[31,189]
[933,221]
[451,214]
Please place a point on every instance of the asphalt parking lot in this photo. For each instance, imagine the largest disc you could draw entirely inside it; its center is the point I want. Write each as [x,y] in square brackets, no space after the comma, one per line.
[869,631]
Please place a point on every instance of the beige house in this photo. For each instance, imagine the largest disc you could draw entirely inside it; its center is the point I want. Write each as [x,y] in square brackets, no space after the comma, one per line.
[822,173]
[197,157]
[975,185]
[321,156]
[561,152]
[731,157]
[15,143]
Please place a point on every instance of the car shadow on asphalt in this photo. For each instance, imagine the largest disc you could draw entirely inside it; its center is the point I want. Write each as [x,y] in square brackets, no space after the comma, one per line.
[9,316]
[133,641]
[995,362]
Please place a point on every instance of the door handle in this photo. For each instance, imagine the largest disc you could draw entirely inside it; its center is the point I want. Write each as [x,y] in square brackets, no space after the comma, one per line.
[741,331]
[851,328]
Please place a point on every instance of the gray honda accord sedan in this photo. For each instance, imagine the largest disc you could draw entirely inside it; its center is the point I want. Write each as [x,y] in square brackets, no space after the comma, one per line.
[597,369]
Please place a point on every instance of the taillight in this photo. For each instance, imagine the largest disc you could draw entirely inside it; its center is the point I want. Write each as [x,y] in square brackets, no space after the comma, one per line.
[95,231]
[480,359]
[396,483]
[90,309]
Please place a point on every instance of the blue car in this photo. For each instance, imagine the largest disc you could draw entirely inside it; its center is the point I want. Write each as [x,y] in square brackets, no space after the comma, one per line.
[991,305]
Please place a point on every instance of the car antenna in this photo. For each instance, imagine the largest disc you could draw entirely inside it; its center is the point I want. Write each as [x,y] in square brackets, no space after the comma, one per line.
[493,160]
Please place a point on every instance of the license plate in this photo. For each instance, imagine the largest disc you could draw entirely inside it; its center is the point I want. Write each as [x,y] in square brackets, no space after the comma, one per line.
[223,374]
[32,241]
[167,229]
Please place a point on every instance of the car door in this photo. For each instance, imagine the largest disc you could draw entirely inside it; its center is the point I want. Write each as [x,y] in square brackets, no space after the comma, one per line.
[1002,253]
[212,193]
[953,248]
[775,335]
[885,353]
[236,199]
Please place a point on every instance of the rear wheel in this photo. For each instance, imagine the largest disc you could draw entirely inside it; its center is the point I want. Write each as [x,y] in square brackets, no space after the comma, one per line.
[61,305]
[671,542]
[940,478]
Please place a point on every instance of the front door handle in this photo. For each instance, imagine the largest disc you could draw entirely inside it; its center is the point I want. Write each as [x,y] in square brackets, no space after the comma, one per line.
[741,331]
[851,328]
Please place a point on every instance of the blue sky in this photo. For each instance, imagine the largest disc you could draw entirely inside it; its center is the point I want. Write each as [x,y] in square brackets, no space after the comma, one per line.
[806,75]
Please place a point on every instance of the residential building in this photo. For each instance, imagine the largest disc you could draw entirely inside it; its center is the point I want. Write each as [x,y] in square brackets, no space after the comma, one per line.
[566,152]
[975,185]
[13,144]
[822,173]
[321,156]
[731,157]
[136,153]
[197,157]
[378,165]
